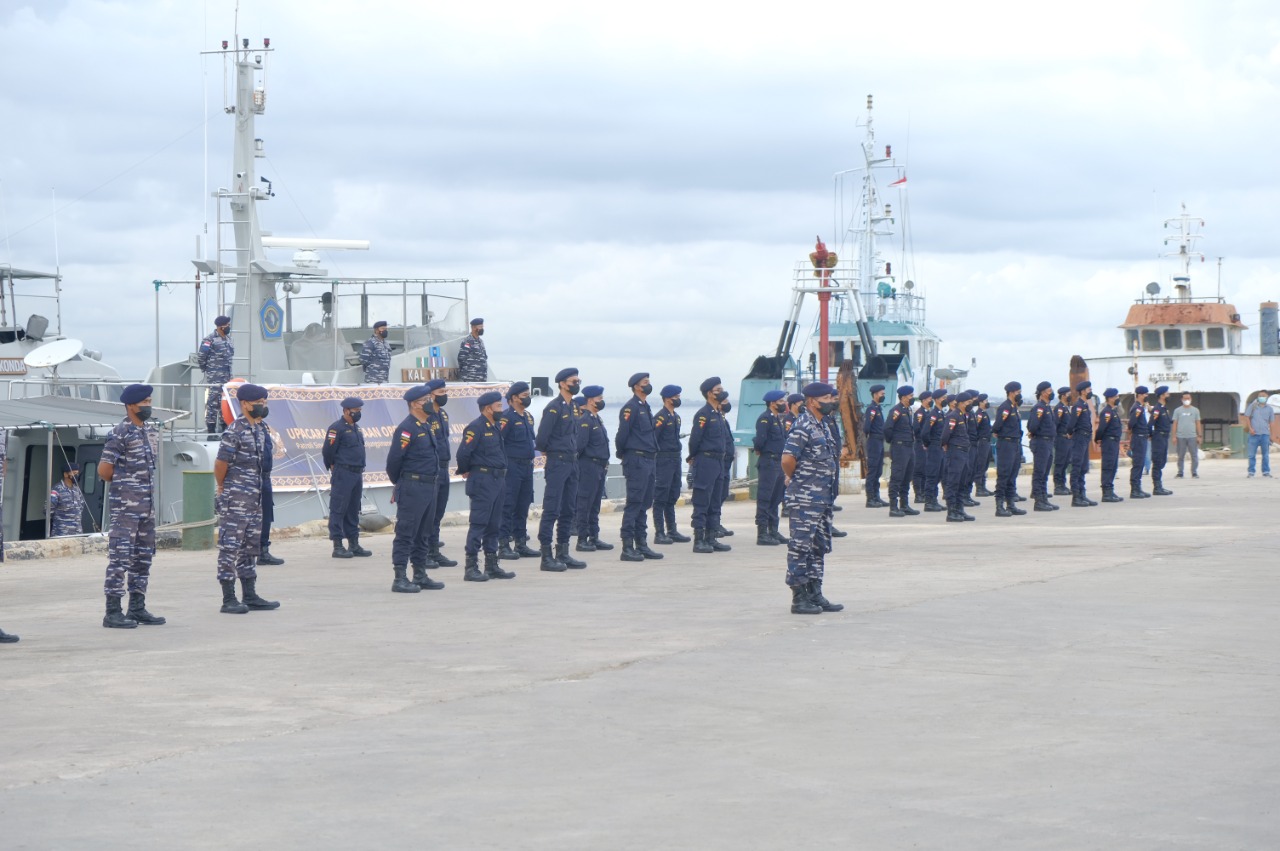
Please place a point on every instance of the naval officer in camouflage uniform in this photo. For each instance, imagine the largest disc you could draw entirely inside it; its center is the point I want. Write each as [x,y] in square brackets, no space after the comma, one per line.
[344,458]
[375,355]
[238,473]
[214,358]
[809,461]
[66,505]
[473,360]
[483,463]
[128,463]
[413,466]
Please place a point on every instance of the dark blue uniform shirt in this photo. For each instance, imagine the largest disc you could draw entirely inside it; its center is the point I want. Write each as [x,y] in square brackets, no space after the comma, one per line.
[413,450]
[955,431]
[516,429]
[1064,418]
[1138,424]
[439,422]
[1161,422]
[1008,423]
[343,444]
[897,428]
[710,433]
[1041,422]
[481,446]
[984,425]
[557,432]
[592,437]
[1081,418]
[666,425]
[635,428]
[873,422]
[771,434]
[1108,423]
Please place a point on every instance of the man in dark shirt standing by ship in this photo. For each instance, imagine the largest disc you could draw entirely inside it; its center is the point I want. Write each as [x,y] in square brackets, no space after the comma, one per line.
[1042,426]
[873,431]
[1161,430]
[344,457]
[1081,434]
[708,444]
[771,435]
[516,426]
[558,440]
[1108,438]
[637,445]
[1139,435]
[1063,423]
[593,470]
[483,463]
[897,433]
[438,419]
[666,426]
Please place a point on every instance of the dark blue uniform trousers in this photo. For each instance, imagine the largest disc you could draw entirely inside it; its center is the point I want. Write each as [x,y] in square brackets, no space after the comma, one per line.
[708,479]
[1138,452]
[345,488]
[1079,462]
[1110,462]
[591,478]
[559,492]
[1008,459]
[902,455]
[1159,457]
[517,497]
[875,466]
[981,453]
[269,510]
[957,460]
[666,490]
[640,472]
[442,502]
[724,482]
[770,488]
[1061,458]
[933,472]
[415,512]
[1041,461]
[919,469]
[486,491]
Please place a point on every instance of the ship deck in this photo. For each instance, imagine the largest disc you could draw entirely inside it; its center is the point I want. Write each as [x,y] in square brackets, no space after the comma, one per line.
[1091,678]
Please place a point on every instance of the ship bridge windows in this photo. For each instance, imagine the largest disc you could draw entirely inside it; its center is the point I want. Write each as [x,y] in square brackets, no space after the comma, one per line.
[1151,339]
[1173,338]
[1216,338]
[1194,339]
[1130,339]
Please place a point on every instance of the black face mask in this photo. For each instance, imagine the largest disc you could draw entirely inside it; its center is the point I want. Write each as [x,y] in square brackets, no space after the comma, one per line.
[259,411]
[225,330]
[909,401]
[878,398]
[722,395]
[355,416]
[645,389]
[828,408]
[777,407]
[1017,398]
[726,407]
[525,400]
[598,404]
[441,400]
[381,332]
[480,332]
[144,412]
[574,387]
[675,403]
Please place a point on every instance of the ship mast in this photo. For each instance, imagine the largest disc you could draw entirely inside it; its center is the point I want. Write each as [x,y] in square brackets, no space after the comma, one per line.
[1186,238]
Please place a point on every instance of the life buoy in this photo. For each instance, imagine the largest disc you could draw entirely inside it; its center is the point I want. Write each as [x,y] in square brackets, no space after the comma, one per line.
[226,403]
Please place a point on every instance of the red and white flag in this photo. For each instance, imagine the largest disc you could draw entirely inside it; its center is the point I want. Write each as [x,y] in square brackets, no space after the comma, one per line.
[901,181]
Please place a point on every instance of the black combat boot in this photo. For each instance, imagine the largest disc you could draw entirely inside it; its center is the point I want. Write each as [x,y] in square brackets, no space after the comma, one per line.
[642,547]
[138,610]
[1138,493]
[339,551]
[550,562]
[1109,495]
[1014,509]
[700,541]
[906,509]
[251,598]
[493,570]
[932,504]
[629,551]
[1016,498]
[800,602]
[562,553]
[1161,490]
[969,502]
[230,605]
[722,532]
[895,507]
[423,581]
[1078,501]
[874,501]
[674,534]
[265,557]
[1002,508]
[954,515]
[7,637]
[1042,503]
[773,530]
[116,619]
[763,538]
[357,550]
[523,549]
[599,544]
[440,558]
[1062,490]
[815,597]
[505,551]
[983,491]
[716,545]
[473,573]
[661,537]
[919,499]
[402,585]
[660,529]
[838,533]
[585,545]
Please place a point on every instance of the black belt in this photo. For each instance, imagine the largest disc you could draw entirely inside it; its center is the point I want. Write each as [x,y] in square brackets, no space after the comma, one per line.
[770,454]
[902,442]
[1039,437]
[1113,439]
[603,462]
[716,455]
[1007,438]
[563,456]
[675,455]
[511,460]
[352,467]
[643,453]
[418,477]
[500,472]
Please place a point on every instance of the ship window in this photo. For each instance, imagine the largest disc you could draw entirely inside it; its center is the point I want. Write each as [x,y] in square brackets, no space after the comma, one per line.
[1150,339]
[1130,339]
[1195,339]
[1216,338]
[1172,338]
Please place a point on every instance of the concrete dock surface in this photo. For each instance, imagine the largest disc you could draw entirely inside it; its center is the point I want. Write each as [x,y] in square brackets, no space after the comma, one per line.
[1101,678]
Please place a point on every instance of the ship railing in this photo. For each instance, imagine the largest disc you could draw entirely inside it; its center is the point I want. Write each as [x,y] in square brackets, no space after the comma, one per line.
[188,400]
[1176,299]
[882,299]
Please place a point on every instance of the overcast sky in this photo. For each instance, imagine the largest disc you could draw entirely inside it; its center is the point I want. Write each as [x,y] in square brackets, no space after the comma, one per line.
[631,189]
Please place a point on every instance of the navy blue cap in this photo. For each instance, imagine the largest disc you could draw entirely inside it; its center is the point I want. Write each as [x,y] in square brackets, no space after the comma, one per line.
[819,388]
[434,384]
[488,398]
[1062,391]
[352,402]
[876,388]
[670,390]
[794,397]
[1162,389]
[135,393]
[905,390]
[591,391]
[1083,386]
[1012,386]
[926,394]
[251,393]
[1140,389]
[774,395]
[381,323]
[1110,393]
[580,401]
[637,378]
[477,321]
[982,397]
[67,467]
[706,386]
[566,373]
[416,393]
[517,388]
[1043,386]
[222,320]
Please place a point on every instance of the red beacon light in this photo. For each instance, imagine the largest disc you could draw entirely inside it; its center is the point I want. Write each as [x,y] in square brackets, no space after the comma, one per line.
[224,44]
[266,42]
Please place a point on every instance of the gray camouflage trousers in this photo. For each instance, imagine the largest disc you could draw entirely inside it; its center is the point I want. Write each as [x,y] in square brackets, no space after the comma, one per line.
[810,541]
[131,544]
[239,544]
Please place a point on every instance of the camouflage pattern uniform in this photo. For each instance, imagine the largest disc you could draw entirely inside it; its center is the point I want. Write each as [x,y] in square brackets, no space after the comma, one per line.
[473,360]
[4,456]
[131,537]
[239,505]
[66,504]
[214,358]
[808,498]
[375,356]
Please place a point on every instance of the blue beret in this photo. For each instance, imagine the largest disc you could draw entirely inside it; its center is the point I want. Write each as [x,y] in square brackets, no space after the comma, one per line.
[591,391]
[352,402]
[477,321]
[381,323]
[774,395]
[517,388]
[905,390]
[1043,386]
[1110,392]
[982,397]
[637,378]
[876,388]
[67,467]
[433,385]
[927,394]
[416,392]
[135,393]
[1062,391]
[707,385]
[488,398]
[1141,388]
[818,388]
[1012,386]
[251,393]
[579,400]
[222,320]
[566,373]
[1083,386]
[793,398]
[1162,389]
[670,390]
